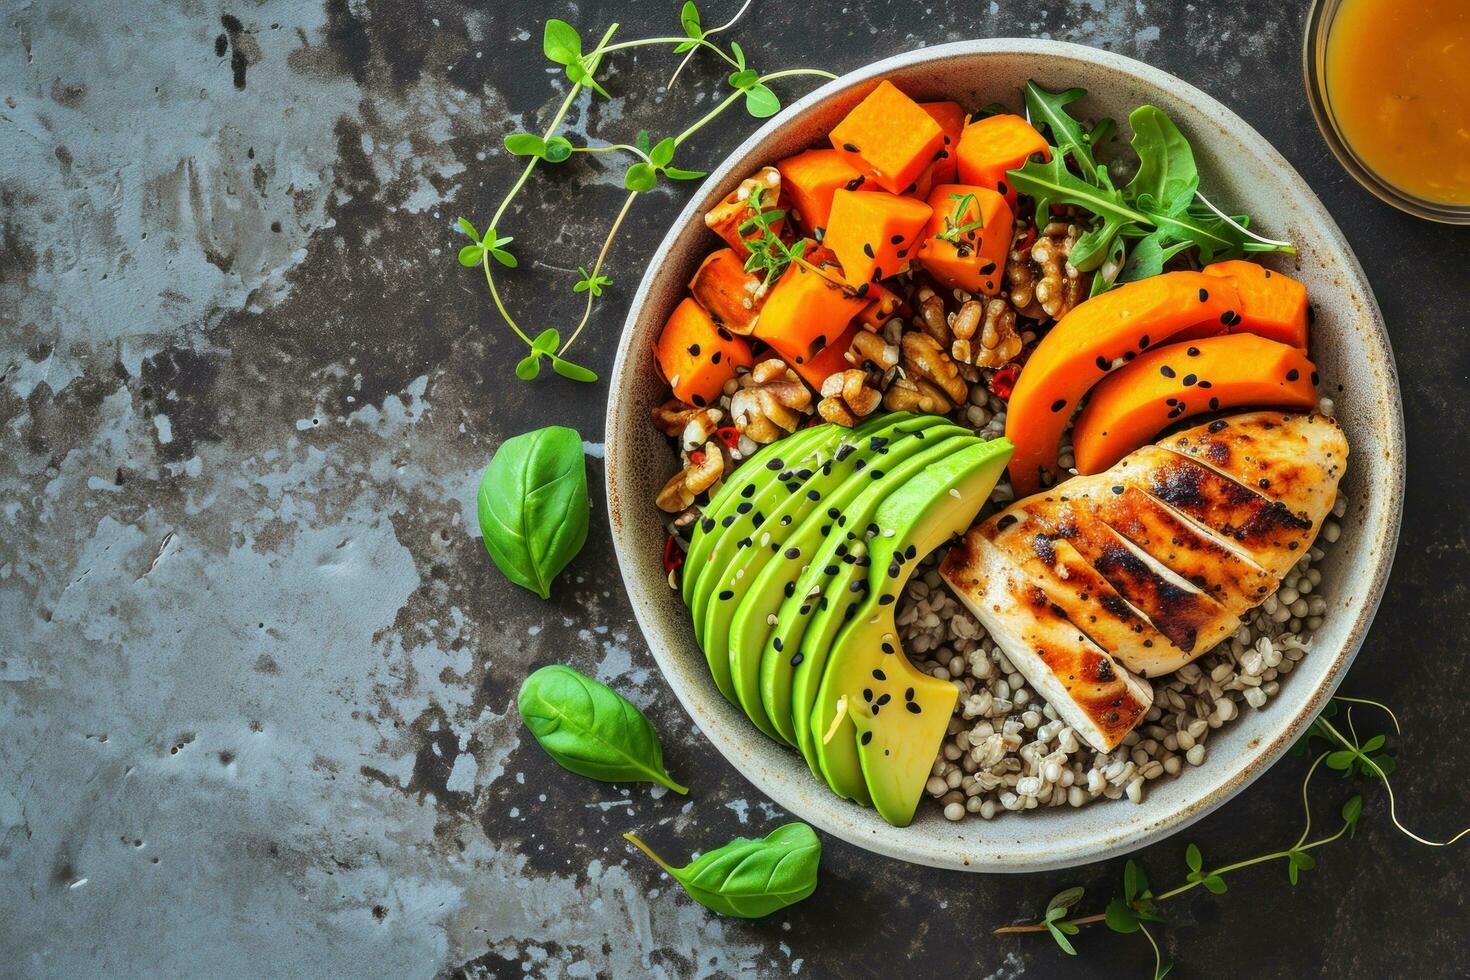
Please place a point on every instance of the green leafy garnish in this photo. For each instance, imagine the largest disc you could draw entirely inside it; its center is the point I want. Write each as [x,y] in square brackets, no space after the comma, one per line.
[533,504]
[750,878]
[955,224]
[591,283]
[590,729]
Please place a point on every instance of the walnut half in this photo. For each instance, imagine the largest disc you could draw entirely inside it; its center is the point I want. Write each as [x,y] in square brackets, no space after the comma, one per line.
[995,322]
[924,359]
[847,396]
[771,402]
[693,480]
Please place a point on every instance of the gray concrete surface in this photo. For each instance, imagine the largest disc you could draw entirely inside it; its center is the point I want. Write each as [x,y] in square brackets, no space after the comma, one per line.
[257,674]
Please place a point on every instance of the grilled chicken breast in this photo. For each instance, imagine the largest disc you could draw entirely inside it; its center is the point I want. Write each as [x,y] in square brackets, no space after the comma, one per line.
[1142,568]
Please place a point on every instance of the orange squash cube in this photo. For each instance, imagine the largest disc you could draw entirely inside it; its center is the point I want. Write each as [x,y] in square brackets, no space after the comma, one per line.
[976,260]
[873,235]
[804,310]
[730,295]
[951,119]
[829,360]
[991,146]
[696,356]
[889,138]
[1272,305]
[883,305]
[725,218]
[811,178]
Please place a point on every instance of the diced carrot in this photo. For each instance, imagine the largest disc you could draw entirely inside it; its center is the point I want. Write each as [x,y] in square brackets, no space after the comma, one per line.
[874,235]
[1135,403]
[951,119]
[810,179]
[1111,328]
[725,218]
[697,357]
[991,146]
[889,138]
[883,305]
[1272,305]
[975,262]
[829,360]
[729,294]
[804,310]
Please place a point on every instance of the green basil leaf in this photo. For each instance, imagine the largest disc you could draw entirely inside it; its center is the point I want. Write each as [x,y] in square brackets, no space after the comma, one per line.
[689,20]
[525,145]
[561,42]
[528,367]
[533,506]
[1119,917]
[468,229]
[1166,168]
[750,878]
[557,150]
[470,255]
[761,102]
[589,728]
[640,177]
[674,173]
[572,372]
[662,152]
[1049,109]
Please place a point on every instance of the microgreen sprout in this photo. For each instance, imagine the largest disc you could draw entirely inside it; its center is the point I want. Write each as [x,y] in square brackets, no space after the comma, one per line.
[1137,903]
[955,224]
[562,44]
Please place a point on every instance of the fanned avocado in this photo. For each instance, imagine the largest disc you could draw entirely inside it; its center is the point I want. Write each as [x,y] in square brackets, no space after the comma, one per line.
[880,721]
[842,582]
[759,536]
[828,494]
[737,519]
[756,469]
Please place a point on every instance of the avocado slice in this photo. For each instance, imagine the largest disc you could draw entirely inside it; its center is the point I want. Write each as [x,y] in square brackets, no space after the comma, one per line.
[840,574]
[752,622]
[758,536]
[878,719]
[757,469]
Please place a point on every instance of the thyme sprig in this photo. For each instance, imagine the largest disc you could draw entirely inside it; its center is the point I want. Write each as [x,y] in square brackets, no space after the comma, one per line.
[955,224]
[653,162]
[1136,904]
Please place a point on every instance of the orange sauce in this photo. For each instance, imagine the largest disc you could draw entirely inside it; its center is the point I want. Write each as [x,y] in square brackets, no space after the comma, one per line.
[1398,80]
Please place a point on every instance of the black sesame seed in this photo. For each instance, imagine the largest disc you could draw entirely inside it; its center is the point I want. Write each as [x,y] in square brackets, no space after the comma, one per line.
[884,699]
[1128,355]
[1206,384]
[866,737]
[851,148]
[885,600]
[1117,489]
[806,607]
[1219,426]
[774,465]
[744,507]
[1166,371]
[867,250]
[913,707]
[1204,294]
[1005,522]
[1193,352]
[727,520]
[786,521]
[856,182]
[813,495]
[868,694]
[826,529]
[1293,374]
[845,451]
[724,334]
[887,647]
[1188,380]
[777,644]
[896,240]
[707,525]
[1314,378]
[748,490]
[790,589]
[793,553]
[879,675]
[987,268]
[757,519]
[862,291]
[693,350]
[699,400]
[1143,342]
[1001,188]
[1263,483]
[1103,363]
[858,466]
[1291,545]
[910,552]
[830,570]
[1059,404]
[1214,404]
[796,659]
[715,357]
[726,595]
[1227,316]
[876,474]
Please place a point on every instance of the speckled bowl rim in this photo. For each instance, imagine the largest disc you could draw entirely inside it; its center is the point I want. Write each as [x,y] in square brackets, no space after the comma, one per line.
[1016,843]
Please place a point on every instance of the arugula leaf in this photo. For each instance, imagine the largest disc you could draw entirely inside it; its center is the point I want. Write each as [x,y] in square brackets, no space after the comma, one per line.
[1049,109]
[1148,255]
[1052,183]
[1166,168]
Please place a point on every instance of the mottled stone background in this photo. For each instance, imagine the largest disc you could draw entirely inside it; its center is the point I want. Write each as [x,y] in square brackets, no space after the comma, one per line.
[257,674]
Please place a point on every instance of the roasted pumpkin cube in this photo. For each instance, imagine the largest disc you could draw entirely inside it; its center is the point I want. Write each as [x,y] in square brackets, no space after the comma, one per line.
[729,294]
[697,356]
[951,119]
[806,309]
[810,179]
[726,218]
[829,360]
[1272,305]
[883,305]
[991,146]
[968,258]
[874,235]
[889,138]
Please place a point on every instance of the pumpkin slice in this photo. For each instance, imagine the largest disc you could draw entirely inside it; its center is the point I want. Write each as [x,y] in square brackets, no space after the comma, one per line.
[1095,337]
[697,356]
[975,261]
[725,218]
[951,119]
[991,146]
[810,179]
[730,295]
[1272,305]
[889,138]
[806,309]
[883,305]
[1135,403]
[874,235]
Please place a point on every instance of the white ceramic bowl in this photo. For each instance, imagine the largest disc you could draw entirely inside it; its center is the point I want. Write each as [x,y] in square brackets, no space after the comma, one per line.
[1349,345]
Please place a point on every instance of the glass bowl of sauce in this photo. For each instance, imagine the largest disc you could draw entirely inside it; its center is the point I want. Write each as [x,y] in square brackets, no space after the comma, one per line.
[1389,83]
